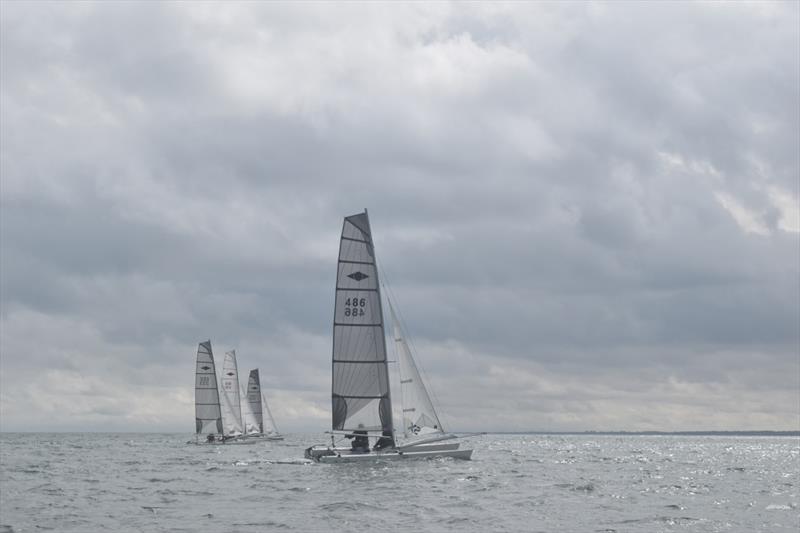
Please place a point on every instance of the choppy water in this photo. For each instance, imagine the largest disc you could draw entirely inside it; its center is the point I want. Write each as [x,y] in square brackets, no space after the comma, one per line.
[136,482]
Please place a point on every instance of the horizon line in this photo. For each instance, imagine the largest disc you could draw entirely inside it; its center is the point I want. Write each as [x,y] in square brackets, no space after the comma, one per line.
[711,432]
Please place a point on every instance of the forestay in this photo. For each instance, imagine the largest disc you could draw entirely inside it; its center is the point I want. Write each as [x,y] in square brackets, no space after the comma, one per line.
[360,390]
[231,404]
[208,418]
[419,416]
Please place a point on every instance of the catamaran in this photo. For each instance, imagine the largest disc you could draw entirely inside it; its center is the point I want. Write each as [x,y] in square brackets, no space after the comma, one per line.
[230,401]
[256,424]
[207,408]
[361,395]
[207,416]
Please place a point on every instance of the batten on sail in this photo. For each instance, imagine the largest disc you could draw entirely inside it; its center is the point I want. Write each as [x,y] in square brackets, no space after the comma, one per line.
[208,418]
[361,398]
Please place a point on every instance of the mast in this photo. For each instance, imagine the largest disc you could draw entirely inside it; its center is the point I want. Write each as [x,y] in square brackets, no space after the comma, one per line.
[360,391]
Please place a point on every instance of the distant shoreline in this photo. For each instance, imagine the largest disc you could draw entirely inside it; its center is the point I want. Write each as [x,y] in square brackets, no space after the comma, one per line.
[657,433]
[761,433]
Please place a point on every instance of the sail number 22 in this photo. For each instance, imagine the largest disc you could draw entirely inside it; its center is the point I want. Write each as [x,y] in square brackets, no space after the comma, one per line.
[355,306]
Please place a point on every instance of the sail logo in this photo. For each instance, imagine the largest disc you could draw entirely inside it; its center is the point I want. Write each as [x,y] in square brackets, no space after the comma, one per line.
[358,276]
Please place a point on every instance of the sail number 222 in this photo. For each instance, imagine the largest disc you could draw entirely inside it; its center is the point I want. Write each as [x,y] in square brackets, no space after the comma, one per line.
[355,306]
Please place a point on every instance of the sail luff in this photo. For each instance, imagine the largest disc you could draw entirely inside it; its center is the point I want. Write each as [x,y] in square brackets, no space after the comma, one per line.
[386,419]
[208,417]
[360,392]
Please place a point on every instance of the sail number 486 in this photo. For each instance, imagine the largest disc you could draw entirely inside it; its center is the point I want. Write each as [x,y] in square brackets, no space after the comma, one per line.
[355,306]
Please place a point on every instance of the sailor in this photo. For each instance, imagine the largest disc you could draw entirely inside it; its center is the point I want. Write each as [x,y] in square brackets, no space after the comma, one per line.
[210,437]
[386,440]
[360,440]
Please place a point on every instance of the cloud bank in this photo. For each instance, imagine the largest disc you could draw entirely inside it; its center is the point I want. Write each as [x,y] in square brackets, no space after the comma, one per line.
[587,213]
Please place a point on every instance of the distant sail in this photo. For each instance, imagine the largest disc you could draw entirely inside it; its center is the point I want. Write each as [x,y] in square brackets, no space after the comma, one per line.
[419,416]
[269,423]
[208,418]
[248,418]
[360,393]
[231,403]
[253,420]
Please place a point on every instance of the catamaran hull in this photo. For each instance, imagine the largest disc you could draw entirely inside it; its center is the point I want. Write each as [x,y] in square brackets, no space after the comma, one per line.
[317,452]
[234,442]
[240,441]
[394,455]
[265,437]
[437,447]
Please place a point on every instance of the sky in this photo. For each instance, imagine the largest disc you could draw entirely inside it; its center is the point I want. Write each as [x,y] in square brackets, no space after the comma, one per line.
[587,213]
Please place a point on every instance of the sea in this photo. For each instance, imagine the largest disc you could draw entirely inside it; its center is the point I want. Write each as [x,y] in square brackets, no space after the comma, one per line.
[85,482]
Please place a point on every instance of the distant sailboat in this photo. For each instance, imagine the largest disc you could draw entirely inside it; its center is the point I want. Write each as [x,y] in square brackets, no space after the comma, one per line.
[207,408]
[252,412]
[255,408]
[361,395]
[230,401]
[207,415]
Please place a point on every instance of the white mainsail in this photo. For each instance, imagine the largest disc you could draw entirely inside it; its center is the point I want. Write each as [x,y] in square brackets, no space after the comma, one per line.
[231,404]
[208,419]
[419,416]
[360,395]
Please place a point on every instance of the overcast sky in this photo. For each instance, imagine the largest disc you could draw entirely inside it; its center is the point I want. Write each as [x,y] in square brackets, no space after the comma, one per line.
[587,212]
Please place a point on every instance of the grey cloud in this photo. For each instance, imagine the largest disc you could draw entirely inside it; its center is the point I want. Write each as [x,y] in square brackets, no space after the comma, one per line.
[546,182]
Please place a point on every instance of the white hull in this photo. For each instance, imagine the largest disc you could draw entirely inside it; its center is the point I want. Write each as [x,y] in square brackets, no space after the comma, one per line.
[229,442]
[430,447]
[239,441]
[315,452]
[265,437]
[393,455]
